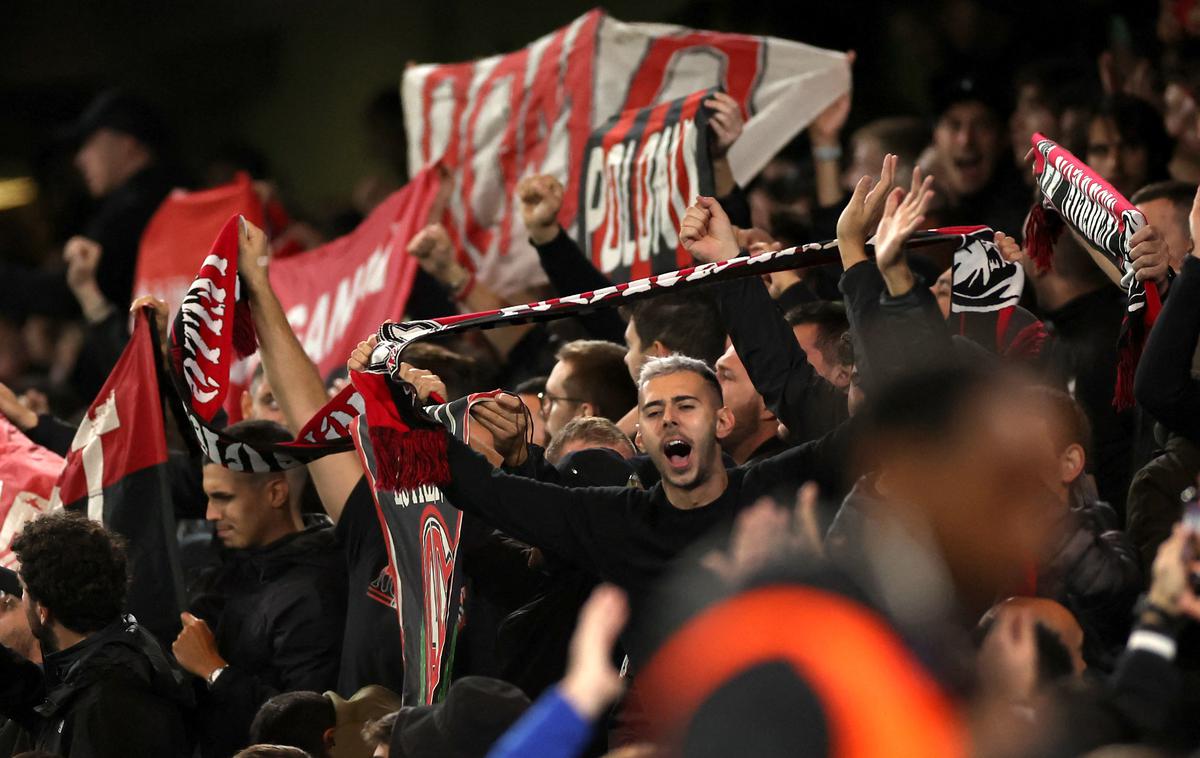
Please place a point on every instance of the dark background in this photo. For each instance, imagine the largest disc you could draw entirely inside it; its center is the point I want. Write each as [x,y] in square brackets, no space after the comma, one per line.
[293,79]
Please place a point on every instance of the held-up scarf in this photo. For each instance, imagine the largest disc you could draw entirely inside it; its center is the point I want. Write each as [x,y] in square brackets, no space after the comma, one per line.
[401,430]
[1100,215]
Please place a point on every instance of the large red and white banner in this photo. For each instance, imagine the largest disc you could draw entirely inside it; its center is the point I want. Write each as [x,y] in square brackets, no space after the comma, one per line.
[493,121]
[338,294]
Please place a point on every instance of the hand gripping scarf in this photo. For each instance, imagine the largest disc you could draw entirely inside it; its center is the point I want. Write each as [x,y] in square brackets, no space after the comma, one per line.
[1074,194]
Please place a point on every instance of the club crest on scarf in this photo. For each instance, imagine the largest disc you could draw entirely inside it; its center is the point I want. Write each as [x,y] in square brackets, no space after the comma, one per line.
[983,281]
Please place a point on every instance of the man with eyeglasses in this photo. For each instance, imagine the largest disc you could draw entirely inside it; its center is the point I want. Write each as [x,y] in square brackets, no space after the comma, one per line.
[589,379]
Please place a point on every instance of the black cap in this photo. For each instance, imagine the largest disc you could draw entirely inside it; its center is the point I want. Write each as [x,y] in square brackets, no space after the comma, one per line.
[10,584]
[595,467]
[477,711]
[121,112]
[966,87]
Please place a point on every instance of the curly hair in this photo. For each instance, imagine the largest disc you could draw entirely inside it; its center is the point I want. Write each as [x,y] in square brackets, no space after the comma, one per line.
[75,567]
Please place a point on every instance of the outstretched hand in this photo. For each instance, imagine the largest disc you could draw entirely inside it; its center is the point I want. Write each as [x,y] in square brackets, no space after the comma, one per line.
[434,252]
[901,217]
[862,213]
[1170,586]
[706,232]
[765,532]
[254,256]
[592,682]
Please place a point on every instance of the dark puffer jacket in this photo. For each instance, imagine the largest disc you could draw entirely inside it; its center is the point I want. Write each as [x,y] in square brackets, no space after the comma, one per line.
[112,695]
[277,613]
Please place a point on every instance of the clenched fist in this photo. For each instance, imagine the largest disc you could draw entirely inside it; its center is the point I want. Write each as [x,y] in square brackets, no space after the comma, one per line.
[541,199]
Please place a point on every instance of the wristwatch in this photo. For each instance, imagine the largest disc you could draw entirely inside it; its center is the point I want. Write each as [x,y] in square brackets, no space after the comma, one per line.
[212,678]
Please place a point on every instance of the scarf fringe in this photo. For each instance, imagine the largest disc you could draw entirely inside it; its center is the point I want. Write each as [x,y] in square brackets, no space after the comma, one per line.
[1042,230]
[405,460]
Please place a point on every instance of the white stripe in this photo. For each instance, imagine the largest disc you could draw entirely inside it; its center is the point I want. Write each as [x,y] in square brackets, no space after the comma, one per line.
[1152,642]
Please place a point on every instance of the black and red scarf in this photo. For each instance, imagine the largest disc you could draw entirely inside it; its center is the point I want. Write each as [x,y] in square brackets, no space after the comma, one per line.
[1075,195]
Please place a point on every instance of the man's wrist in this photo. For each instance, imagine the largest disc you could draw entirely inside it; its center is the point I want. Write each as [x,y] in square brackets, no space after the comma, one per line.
[829,152]
[541,235]
[212,670]
[899,280]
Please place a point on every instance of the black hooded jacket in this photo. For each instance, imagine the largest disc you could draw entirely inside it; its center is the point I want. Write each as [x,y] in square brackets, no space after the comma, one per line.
[114,694]
[277,613]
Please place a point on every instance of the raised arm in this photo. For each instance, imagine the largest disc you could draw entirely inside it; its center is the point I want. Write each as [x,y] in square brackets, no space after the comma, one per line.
[1164,385]
[297,384]
[569,270]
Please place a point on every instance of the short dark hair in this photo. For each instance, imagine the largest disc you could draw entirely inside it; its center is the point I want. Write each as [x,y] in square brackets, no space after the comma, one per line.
[1179,194]
[1073,424]
[591,429]
[599,376]
[259,432]
[685,323]
[298,719]
[274,751]
[75,567]
[831,322]
[459,373]
[905,136]
[922,406]
[378,731]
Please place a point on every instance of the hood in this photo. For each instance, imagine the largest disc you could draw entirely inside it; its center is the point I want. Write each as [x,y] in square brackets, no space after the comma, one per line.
[315,546]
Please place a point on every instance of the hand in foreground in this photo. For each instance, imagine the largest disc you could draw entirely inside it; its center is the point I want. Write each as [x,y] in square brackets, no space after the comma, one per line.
[504,419]
[15,411]
[196,649]
[435,253]
[865,208]
[1170,586]
[254,256]
[426,383]
[706,233]
[1149,253]
[725,121]
[162,314]
[592,682]
[900,219]
[541,199]
[360,357]
[764,533]
[1008,656]
[82,256]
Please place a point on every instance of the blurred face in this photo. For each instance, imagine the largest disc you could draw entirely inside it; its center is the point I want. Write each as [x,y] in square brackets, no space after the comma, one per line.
[247,509]
[558,407]
[836,374]
[259,403]
[942,290]
[533,404]
[750,414]
[680,420]
[15,633]
[1123,166]
[981,489]
[866,157]
[1180,116]
[1163,215]
[968,142]
[1030,117]
[634,355]
[102,160]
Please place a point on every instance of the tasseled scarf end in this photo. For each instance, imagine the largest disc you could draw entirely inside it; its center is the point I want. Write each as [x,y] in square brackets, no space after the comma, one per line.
[1042,230]
[405,460]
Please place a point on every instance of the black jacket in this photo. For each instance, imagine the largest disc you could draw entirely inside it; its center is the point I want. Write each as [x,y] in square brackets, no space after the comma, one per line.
[277,613]
[113,694]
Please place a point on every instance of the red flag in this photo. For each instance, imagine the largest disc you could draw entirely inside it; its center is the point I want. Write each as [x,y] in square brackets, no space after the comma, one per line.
[27,476]
[115,473]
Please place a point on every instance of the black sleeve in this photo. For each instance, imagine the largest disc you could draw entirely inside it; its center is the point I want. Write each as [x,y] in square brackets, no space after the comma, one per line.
[305,651]
[892,335]
[22,688]
[52,433]
[1164,385]
[800,398]
[822,461]
[584,523]
[359,522]
[121,719]
[737,207]
[570,273]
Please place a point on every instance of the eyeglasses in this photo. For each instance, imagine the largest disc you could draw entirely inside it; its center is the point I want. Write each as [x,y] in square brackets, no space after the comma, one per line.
[545,400]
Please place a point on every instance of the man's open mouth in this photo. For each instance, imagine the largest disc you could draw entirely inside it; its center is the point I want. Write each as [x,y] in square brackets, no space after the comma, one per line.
[678,452]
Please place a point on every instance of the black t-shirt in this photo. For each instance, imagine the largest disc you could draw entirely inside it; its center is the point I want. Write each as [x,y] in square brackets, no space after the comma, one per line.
[372,652]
